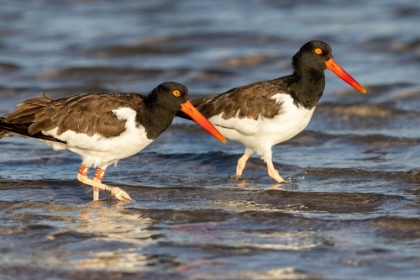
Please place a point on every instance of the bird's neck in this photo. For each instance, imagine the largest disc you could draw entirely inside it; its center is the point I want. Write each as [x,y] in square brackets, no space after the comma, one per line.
[307,87]
[157,118]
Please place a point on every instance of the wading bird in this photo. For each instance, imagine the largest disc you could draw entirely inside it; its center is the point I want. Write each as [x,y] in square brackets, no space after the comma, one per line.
[263,114]
[102,127]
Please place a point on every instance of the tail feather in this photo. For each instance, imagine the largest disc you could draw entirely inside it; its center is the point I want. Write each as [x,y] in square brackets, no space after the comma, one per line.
[20,121]
[27,110]
[7,129]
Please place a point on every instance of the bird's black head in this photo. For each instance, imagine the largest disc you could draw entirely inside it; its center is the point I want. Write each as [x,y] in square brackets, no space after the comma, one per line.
[169,95]
[316,56]
[312,55]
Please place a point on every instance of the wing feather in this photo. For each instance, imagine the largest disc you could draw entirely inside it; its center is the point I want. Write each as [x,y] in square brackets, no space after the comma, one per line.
[84,113]
[250,101]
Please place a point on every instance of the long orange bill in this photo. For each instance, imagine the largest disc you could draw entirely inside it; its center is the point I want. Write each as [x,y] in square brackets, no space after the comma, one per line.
[191,111]
[336,69]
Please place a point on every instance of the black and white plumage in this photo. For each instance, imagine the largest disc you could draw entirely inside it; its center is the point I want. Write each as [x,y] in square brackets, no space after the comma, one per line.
[263,114]
[102,127]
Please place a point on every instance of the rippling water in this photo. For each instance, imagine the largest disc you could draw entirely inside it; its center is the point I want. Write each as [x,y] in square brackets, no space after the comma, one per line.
[351,211]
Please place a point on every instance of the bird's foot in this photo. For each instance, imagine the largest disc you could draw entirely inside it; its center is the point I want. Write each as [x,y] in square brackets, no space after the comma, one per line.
[276,176]
[280,180]
[96,183]
[237,177]
[273,173]
[120,194]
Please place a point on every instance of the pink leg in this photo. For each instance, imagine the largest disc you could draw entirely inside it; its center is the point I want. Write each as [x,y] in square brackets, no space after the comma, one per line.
[97,184]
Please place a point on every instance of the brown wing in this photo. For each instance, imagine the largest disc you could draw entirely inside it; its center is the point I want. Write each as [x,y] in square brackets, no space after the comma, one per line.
[251,101]
[84,113]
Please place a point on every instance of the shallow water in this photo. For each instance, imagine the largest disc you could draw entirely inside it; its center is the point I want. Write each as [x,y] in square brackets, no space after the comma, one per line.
[350,211]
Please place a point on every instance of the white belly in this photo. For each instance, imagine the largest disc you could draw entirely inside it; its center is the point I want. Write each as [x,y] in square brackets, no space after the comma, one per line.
[263,133]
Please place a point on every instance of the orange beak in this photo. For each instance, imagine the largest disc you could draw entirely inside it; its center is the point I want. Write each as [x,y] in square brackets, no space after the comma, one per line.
[336,69]
[191,111]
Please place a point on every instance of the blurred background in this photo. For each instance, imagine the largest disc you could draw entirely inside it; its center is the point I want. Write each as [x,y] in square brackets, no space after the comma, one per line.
[351,211]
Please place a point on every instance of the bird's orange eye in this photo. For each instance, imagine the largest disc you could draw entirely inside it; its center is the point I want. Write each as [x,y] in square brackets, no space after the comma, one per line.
[176,93]
[318,51]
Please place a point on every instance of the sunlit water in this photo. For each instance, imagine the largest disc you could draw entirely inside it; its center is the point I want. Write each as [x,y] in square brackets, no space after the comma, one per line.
[351,210]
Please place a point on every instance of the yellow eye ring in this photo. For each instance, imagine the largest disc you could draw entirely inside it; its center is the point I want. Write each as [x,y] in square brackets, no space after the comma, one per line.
[318,51]
[176,93]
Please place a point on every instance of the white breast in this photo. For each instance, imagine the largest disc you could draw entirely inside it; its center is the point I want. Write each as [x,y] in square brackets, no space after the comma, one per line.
[266,132]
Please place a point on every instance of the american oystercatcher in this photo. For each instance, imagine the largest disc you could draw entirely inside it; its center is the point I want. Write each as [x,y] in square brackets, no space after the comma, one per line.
[102,127]
[263,114]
